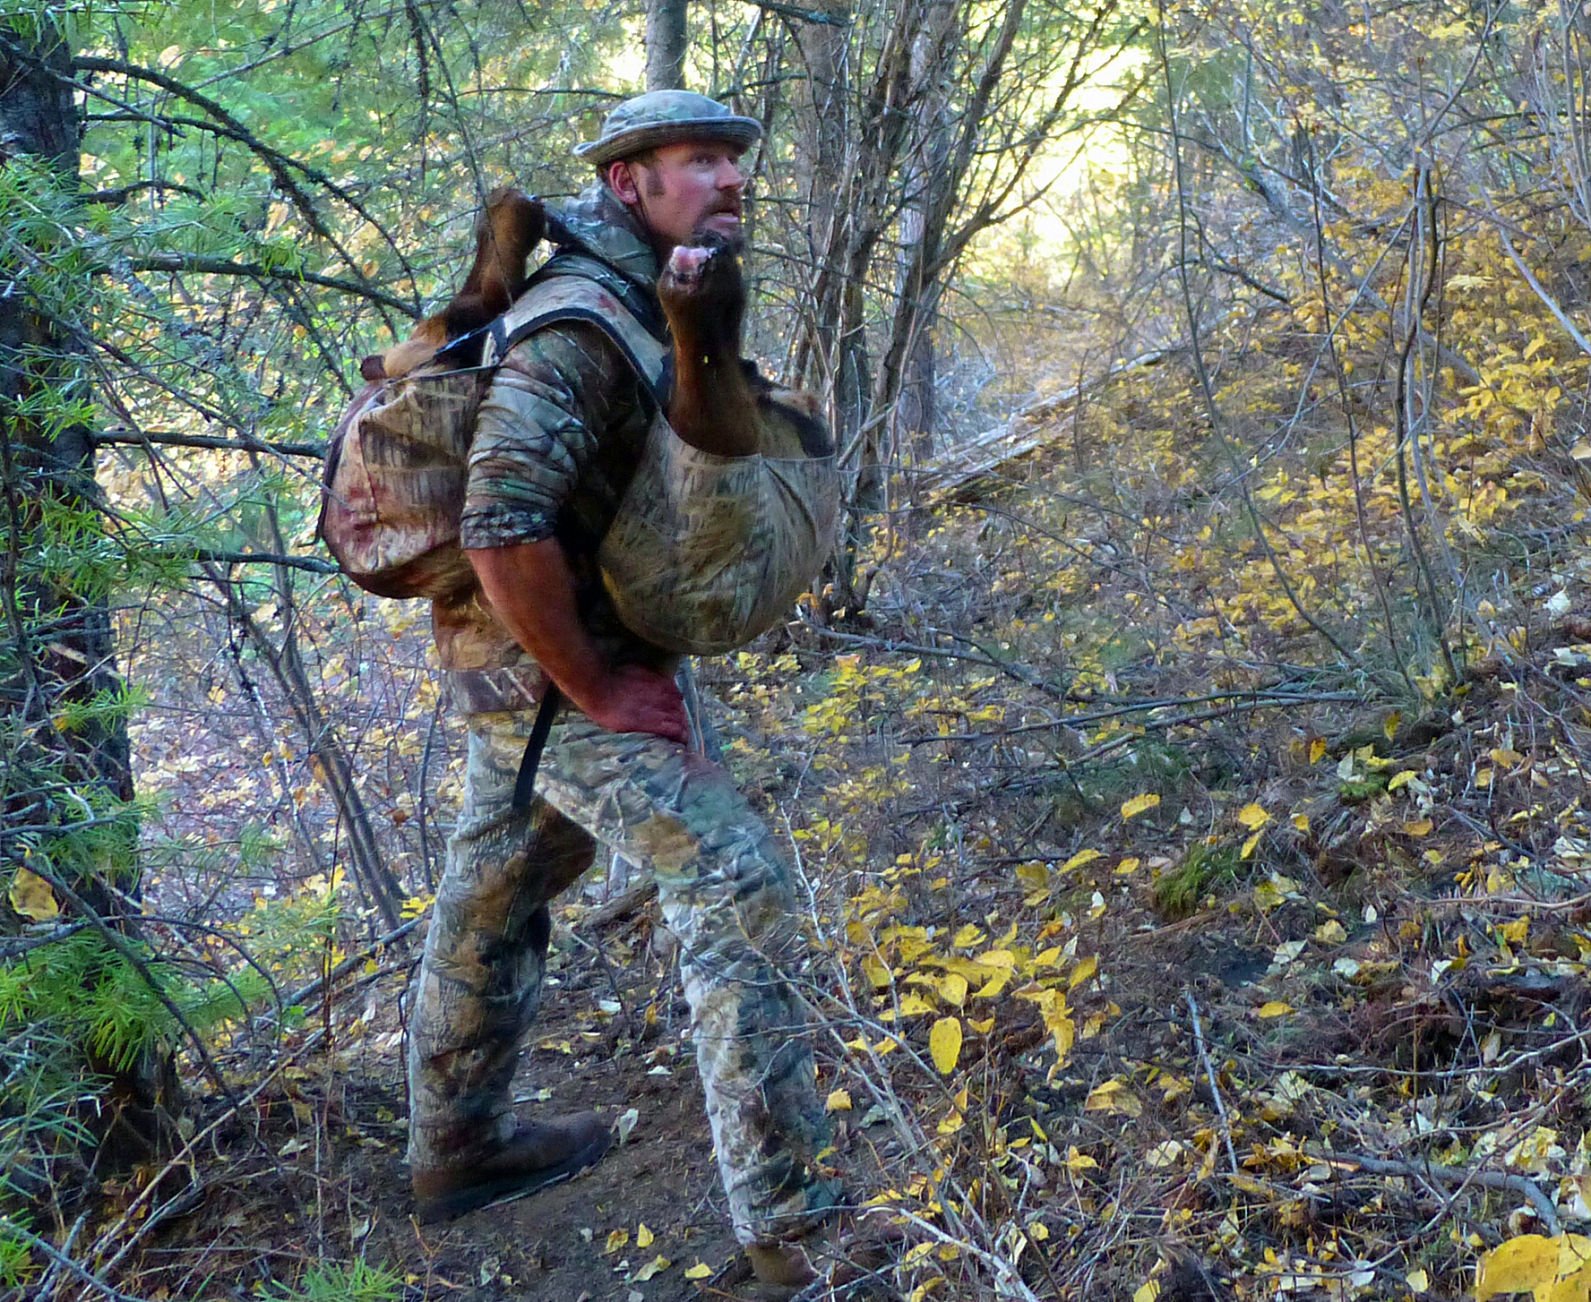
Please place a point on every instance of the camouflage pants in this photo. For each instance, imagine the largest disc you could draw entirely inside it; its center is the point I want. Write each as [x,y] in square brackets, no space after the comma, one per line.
[725,892]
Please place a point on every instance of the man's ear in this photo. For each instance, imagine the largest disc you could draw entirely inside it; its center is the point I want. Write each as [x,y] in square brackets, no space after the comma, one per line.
[621,180]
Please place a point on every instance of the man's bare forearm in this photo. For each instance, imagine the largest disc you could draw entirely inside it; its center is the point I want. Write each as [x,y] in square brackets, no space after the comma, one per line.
[531,589]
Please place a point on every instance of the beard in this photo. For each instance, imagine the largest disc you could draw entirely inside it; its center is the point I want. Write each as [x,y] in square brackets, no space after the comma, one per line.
[735,239]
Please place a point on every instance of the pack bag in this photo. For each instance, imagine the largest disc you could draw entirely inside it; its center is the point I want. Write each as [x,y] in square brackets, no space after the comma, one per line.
[393,482]
[392,487]
[705,552]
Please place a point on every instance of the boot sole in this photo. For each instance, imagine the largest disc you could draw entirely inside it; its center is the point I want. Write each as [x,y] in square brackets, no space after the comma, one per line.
[507,1189]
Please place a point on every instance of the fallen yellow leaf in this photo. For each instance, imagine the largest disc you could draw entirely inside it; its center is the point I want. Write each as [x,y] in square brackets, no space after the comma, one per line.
[1113,1096]
[1273,1008]
[1518,1265]
[1080,858]
[1253,816]
[910,1006]
[656,1266]
[953,988]
[1139,804]
[944,1043]
[1057,1017]
[31,897]
[1079,1161]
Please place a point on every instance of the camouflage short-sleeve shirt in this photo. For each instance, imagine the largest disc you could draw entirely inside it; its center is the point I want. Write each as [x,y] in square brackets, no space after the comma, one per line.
[559,434]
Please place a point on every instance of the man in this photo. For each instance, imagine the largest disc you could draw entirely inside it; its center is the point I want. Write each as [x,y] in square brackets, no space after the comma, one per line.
[559,432]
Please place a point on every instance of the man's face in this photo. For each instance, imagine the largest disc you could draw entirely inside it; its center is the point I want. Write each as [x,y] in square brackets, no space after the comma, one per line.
[680,189]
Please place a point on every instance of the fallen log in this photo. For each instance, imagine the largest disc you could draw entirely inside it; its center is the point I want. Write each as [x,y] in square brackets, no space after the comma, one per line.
[1034,426]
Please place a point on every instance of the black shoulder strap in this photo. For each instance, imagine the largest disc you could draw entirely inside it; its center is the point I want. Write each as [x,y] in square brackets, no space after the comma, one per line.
[656,386]
[568,260]
[525,783]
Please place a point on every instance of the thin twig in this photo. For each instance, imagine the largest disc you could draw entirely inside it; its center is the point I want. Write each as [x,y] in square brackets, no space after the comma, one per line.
[1450,1175]
[314,564]
[307,992]
[65,1262]
[102,438]
[192,262]
[1537,288]
[1241,700]
[14,948]
[1026,677]
[1209,1075]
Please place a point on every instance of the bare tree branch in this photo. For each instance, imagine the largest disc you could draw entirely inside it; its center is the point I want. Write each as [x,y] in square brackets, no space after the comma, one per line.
[178,262]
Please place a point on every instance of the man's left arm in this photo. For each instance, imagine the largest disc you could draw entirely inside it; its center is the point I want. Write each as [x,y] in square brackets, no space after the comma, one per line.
[532,592]
[535,436]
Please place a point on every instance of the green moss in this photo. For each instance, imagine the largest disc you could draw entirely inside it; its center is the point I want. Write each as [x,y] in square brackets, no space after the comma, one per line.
[1204,869]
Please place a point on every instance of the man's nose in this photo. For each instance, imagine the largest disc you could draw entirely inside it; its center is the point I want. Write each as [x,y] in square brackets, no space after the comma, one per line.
[730,177]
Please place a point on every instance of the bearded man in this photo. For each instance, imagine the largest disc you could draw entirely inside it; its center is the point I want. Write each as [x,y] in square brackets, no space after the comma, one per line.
[559,435]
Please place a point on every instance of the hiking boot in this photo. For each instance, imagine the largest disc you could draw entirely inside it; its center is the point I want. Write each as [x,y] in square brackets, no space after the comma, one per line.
[538,1154]
[832,1257]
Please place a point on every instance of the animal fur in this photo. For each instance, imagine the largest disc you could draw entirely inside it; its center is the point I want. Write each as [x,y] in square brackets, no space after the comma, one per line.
[510,226]
[720,403]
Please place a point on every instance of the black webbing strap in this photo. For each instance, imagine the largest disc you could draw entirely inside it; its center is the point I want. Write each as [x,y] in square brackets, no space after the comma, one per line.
[525,783]
[632,299]
[656,388]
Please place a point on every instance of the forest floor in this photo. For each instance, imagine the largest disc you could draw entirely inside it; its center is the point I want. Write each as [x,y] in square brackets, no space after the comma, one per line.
[319,1171]
[1162,955]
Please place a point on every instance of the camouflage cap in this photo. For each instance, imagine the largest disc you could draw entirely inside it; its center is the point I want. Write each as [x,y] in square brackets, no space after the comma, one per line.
[664,117]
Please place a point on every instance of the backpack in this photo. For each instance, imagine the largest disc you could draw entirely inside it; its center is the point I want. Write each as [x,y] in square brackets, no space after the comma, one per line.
[392,487]
[705,553]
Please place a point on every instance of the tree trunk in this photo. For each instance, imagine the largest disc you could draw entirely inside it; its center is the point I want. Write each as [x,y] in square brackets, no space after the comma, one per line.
[665,44]
[849,146]
[64,733]
[921,226]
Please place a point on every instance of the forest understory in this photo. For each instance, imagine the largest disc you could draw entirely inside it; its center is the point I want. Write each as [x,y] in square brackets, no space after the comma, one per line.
[1182,759]
[1264,977]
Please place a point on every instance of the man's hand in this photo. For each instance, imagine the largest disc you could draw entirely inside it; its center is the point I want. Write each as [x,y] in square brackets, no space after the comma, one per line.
[531,590]
[634,698]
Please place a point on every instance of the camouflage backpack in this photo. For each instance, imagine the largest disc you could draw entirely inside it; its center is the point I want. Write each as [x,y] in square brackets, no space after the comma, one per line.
[705,552]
